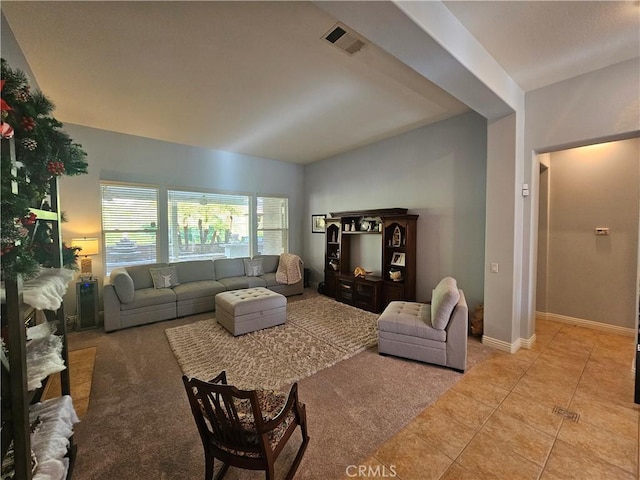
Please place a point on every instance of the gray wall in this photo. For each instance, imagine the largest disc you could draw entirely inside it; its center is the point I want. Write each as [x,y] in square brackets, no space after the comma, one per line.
[594,277]
[438,172]
[595,107]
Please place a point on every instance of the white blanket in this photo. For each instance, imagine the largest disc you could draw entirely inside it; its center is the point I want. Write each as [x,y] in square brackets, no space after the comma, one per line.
[45,291]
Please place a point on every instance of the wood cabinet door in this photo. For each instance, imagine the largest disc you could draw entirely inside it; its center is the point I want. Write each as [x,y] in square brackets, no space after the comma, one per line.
[393,292]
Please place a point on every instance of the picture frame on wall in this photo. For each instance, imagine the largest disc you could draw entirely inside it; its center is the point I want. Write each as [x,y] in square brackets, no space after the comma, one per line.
[317,223]
[398,259]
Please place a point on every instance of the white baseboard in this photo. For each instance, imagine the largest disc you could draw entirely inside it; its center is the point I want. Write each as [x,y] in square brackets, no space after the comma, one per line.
[528,342]
[501,345]
[580,322]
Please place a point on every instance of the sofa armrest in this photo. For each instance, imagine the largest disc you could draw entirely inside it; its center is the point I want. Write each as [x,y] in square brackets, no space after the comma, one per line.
[457,331]
[122,284]
[111,309]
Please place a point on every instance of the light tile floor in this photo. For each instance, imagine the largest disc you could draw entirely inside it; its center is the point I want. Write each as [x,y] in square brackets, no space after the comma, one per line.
[498,421]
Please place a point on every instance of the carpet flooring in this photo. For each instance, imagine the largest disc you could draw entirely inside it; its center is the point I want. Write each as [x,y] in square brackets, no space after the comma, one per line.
[139,424]
[318,333]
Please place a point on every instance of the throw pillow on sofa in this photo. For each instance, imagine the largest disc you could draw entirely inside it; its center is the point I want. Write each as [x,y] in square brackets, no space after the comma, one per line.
[253,267]
[164,277]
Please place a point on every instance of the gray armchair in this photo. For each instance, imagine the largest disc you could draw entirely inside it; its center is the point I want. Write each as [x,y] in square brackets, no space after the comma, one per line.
[433,332]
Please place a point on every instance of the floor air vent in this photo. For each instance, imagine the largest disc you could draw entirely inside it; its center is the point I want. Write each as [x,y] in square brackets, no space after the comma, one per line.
[346,40]
[569,415]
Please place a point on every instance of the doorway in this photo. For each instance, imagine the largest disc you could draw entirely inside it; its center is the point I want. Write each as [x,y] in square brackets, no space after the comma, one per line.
[588,230]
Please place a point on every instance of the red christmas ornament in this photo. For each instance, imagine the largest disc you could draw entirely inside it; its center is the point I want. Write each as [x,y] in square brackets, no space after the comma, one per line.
[28,123]
[3,105]
[6,130]
[55,168]
[29,219]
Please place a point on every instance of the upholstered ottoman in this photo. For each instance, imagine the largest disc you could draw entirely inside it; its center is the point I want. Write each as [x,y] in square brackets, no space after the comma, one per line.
[250,309]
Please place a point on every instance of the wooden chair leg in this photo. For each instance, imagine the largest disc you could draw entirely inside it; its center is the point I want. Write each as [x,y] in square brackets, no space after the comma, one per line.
[208,468]
[296,462]
[269,472]
[223,470]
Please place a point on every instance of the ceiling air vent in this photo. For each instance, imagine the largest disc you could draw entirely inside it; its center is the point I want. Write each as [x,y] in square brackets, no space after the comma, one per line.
[346,40]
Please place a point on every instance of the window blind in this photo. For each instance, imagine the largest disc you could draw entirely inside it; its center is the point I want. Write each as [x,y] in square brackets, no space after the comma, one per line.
[273,225]
[129,225]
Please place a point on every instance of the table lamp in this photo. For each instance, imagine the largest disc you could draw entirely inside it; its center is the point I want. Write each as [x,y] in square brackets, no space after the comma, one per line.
[89,246]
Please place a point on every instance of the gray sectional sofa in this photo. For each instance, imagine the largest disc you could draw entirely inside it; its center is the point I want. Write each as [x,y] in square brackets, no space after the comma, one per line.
[131,298]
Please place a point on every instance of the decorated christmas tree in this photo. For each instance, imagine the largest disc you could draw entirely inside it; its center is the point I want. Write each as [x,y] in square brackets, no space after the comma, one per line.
[41,151]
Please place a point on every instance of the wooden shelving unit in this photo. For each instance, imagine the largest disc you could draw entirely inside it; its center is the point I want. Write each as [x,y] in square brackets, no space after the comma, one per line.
[398,230]
[399,255]
[16,396]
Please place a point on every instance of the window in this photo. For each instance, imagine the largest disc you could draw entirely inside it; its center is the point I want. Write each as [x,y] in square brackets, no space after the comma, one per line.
[273,225]
[208,225]
[129,225]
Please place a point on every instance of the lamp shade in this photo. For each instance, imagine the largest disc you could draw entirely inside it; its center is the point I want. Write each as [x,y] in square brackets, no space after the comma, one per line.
[90,246]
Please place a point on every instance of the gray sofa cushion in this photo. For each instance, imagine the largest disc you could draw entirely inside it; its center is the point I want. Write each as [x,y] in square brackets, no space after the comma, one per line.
[269,262]
[229,267]
[411,319]
[443,301]
[150,296]
[237,283]
[194,270]
[270,279]
[122,284]
[198,289]
[141,276]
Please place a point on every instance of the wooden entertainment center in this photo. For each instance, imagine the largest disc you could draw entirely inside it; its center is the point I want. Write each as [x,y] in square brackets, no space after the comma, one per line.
[398,280]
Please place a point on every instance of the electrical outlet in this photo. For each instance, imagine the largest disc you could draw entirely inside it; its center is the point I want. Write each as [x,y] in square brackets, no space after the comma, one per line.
[494,267]
[602,230]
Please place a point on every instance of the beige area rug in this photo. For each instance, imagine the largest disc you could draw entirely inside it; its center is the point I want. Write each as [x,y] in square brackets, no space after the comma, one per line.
[319,333]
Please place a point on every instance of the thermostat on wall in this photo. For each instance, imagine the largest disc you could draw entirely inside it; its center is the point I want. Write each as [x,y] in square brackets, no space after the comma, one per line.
[602,230]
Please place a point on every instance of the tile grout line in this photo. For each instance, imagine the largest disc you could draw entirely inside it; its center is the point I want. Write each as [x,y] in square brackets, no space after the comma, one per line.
[555,439]
[495,409]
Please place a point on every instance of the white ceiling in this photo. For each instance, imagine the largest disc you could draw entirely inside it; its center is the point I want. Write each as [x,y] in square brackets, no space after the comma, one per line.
[256,78]
[544,42]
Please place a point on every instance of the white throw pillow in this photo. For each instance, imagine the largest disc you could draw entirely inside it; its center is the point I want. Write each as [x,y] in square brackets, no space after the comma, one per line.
[444,299]
[253,267]
[164,277]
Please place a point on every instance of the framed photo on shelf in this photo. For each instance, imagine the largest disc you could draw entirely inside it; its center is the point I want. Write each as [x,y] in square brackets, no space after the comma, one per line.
[317,223]
[397,259]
